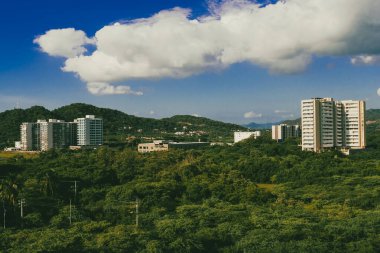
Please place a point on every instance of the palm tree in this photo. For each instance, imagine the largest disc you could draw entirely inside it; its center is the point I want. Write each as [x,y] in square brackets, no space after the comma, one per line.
[9,190]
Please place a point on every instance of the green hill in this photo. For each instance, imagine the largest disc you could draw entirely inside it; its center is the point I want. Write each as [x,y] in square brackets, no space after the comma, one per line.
[117,125]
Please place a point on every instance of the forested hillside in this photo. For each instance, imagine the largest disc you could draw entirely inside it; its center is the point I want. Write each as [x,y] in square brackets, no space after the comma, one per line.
[117,125]
[256,196]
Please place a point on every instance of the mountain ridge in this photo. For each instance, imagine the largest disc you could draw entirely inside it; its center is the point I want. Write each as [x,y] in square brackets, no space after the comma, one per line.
[117,124]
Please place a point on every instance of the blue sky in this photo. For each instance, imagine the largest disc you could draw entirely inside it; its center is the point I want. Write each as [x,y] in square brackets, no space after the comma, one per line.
[29,76]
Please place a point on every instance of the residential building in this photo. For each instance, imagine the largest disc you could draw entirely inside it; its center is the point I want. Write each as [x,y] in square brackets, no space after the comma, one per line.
[283,131]
[330,124]
[57,134]
[90,131]
[44,135]
[30,136]
[239,136]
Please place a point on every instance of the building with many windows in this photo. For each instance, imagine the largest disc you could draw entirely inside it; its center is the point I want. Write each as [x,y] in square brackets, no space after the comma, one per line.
[327,123]
[44,135]
[57,134]
[90,131]
[283,131]
[30,136]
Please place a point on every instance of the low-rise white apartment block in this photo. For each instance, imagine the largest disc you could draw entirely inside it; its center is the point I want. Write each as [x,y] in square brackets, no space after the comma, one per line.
[330,124]
[239,136]
[283,131]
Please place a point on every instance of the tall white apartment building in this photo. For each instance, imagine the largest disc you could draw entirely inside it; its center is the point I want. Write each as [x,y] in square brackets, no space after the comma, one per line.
[29,136]
[354,127]
[332,124]
[56,134]
[90,131]
[239,136]
[283,131]
[44,135]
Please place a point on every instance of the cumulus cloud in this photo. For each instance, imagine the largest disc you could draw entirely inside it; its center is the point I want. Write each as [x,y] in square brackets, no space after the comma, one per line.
[281,37]
[66,43]
[365,59]
[252,114]
[99,88]
[378,91]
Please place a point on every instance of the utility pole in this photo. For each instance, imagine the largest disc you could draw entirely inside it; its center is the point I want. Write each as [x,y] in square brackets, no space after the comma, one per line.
[75,191]
[70,217]
[137,213]
[4,213]
[21,202]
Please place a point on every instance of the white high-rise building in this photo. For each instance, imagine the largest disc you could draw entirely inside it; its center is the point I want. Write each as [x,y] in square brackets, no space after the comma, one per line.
[239,136]
[90,131]
[56,134]
[44,135]
[328,124]
[283,131]
[29,135]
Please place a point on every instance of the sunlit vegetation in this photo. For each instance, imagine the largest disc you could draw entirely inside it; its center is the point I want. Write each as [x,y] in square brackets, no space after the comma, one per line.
[256,196]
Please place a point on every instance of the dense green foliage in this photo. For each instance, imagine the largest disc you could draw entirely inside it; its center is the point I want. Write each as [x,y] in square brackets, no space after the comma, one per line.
[256,196]
[117,125]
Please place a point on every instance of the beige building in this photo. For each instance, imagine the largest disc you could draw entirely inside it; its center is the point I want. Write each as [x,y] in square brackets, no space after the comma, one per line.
[332,124]
[160,145]
[155,146]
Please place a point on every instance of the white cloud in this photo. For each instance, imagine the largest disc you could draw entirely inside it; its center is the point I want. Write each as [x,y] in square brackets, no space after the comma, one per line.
[378,91]
[252,114]
[151,112]
[98,88]
[365,59]
[282,37]
[196,115]
[66,42]
[280,112]
[284,114]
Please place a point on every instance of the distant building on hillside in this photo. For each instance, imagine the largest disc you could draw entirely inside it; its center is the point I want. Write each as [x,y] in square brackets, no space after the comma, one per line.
[330,124]
[44,135]
[283,131]
[90,131]
[56,134]
[239,136]
[160,145]
[30,136]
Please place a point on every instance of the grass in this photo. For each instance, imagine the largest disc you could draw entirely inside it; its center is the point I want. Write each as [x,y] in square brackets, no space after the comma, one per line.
[268,187]
[11,154]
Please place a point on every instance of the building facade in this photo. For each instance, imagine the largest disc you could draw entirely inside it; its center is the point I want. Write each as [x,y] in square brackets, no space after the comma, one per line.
[283,131]
[330,124]
[161,145]
[90,131]
[44,135]
[239,136]
[30,136]
[57,134]
[155,146]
